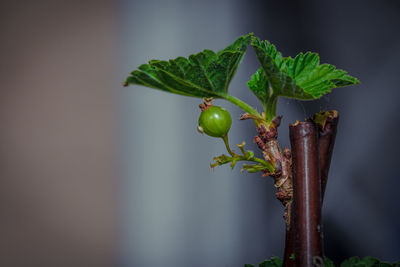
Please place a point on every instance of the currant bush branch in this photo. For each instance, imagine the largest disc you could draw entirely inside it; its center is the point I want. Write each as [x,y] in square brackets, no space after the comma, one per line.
[262,165]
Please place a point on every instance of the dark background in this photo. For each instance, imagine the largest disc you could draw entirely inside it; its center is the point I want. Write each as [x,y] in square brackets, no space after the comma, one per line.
[93,174]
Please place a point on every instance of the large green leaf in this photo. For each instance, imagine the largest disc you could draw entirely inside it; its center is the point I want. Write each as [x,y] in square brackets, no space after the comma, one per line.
[302,77]
[206,74]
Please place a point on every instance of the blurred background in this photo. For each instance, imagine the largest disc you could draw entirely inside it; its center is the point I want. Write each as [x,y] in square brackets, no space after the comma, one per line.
[94,174]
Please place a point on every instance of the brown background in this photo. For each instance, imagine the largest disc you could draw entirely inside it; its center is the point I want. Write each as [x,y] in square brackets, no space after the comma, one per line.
[57,205]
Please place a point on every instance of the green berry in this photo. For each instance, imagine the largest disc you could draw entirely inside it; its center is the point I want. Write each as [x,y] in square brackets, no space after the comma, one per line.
[215,121]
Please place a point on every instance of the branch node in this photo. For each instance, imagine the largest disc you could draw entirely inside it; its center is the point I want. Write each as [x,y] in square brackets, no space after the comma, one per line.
[207,103]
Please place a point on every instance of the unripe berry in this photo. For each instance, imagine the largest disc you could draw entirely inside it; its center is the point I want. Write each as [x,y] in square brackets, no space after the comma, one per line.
[215,121]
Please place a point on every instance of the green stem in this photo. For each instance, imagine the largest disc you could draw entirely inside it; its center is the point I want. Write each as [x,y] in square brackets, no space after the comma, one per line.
[226,141]
[270,108]
[243,158]
[241,104]
[261,161]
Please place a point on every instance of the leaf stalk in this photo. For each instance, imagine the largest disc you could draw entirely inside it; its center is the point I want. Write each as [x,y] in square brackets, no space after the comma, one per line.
[241,104]
[270,108]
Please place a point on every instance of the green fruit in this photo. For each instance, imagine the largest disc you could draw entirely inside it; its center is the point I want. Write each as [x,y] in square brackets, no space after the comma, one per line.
[215,121]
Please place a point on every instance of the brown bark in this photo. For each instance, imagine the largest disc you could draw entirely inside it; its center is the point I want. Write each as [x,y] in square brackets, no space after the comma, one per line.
[307,194]
[312,145]
[268,143]
[327,135]
[327,128]
[288,260]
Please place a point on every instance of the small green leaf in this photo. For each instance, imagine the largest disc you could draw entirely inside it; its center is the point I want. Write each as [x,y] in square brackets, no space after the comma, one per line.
[249,154]
[234,158]
[367,262]
[206,74]
[301,77]
[253,168]
[328,262]
[353,261]
[273,262]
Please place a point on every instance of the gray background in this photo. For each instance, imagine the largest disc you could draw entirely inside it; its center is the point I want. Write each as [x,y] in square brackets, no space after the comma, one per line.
[93,174]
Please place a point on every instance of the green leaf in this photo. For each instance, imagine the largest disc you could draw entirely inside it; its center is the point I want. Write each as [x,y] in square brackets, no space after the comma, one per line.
[328,262]
[351,262]
[259,85]
[367,262]
[206,74]
[273,262]
[302,77]
[253,168]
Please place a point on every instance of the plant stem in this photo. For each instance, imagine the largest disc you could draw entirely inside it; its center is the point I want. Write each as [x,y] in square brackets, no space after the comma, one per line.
[261,161]
[327,136]
[244,158]
[306,193]
[241,104]
[270,108]
[327,126]
[267,141]
[288,260]
[226,142]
